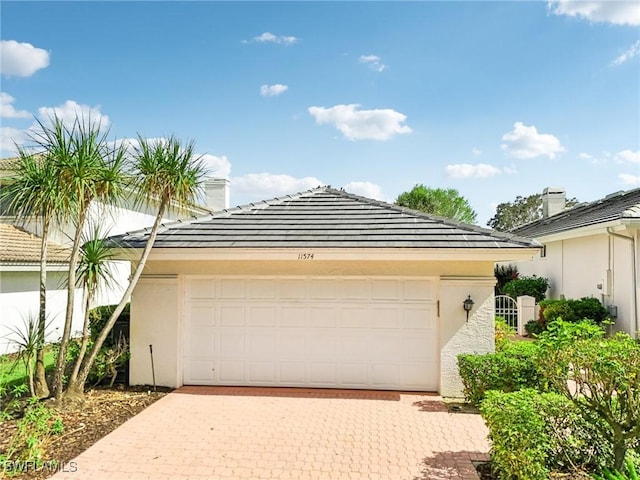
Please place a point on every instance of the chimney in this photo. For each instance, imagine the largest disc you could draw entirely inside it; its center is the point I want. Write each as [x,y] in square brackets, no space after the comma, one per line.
[553,201]
[216,193]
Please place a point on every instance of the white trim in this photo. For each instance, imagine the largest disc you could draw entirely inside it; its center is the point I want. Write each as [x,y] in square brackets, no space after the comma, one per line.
[18,267]
[468,281]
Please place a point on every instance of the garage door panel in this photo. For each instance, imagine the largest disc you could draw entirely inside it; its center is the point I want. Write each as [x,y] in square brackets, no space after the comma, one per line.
[202,315]
[293,373]
[201,371]
[232,342]
[262,373]
[261,316]
[200,342]
[291,345]
[322,316]
[385,289]
[232,289]
[202,289]
[231,372]
[323,373]
[384,375]
[323,332]
[354,374]
[292,316]
[231,315]
[417,317]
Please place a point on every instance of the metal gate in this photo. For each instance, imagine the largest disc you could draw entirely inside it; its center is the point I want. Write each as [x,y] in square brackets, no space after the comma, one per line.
[507,308]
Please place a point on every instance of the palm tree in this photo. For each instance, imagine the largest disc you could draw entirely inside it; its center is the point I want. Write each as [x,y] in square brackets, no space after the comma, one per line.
[93,170]
[33,193]
[93,273]
[169,174]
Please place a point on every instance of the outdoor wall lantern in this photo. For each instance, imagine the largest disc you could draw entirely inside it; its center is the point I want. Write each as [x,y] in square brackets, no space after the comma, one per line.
[468,305]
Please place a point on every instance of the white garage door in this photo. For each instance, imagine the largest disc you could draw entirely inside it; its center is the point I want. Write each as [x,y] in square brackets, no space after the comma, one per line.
[337,332]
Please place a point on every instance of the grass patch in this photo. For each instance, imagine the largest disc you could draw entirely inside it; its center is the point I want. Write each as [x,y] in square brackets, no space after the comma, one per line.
[13,373]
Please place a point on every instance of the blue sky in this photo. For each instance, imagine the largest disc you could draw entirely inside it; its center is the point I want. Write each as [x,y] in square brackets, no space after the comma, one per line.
[495,99]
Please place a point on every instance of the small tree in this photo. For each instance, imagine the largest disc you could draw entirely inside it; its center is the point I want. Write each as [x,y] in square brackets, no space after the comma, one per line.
[437,201]
[504,274]
[604,379]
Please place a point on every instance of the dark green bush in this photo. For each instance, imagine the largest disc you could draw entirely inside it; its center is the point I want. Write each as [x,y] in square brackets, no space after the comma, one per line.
[99,316]
[533,328]
[509,370]
[534,433]
[532,286]
[574,310]
[504,274]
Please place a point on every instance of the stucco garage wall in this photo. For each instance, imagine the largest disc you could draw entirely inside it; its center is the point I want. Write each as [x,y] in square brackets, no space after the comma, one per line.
[457,335]
[157,304]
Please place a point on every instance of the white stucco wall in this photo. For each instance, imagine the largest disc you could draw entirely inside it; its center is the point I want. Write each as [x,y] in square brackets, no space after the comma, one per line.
[576,267]
[157,304]
[19,300]
[459,335]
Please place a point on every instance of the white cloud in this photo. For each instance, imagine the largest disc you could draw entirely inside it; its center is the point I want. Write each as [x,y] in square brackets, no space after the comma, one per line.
[21,59]
[268,37]
[70,110]
[365,189]
[526,142]
[466,170]
[476,151]
[614,12]
[628,179]
[373,61]
[267,185]
[355,124]
[7,110]
[628,156]
[273,90]
[9,135]
[633,51]
[218,167]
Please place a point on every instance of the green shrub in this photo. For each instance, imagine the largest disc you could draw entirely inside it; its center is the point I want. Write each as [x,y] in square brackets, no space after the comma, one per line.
[504,274]
[99,316]
[503,332]
[574,310]
[534,433]
[509,370]
[605,380]
[630,473]
[533,328]
[532,286]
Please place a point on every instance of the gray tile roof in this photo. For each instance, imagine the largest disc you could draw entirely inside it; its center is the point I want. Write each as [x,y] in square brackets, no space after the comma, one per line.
[322,217]
[617,206]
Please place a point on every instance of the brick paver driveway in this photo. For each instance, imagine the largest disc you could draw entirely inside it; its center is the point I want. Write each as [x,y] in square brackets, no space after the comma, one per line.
[231,433]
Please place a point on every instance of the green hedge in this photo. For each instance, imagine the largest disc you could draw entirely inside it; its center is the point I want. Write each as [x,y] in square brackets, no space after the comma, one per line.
[509,370]
[534,433]
[573,310]
[533,286]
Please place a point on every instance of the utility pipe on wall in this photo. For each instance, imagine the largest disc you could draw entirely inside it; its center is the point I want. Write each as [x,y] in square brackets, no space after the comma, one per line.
[634,274]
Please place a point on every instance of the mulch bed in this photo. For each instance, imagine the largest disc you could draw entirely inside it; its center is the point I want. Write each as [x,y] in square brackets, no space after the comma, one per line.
[102,412]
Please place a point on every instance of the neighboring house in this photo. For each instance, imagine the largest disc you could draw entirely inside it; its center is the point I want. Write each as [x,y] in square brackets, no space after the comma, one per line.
[318,289]
[590,250]
[113,221]
[20,282]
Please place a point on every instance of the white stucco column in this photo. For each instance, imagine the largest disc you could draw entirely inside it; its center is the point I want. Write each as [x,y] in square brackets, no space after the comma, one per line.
[156,320]
[457,335]
[526,312]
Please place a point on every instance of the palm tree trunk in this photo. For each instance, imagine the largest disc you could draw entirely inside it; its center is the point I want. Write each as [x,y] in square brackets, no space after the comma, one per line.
[41,389]
[85,337]
[66,334]
[75,389]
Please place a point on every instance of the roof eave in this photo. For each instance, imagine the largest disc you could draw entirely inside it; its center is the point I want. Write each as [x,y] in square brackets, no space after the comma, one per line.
[313,254]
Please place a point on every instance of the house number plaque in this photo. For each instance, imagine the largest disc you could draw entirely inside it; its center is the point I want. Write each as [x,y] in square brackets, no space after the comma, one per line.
[305,256]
